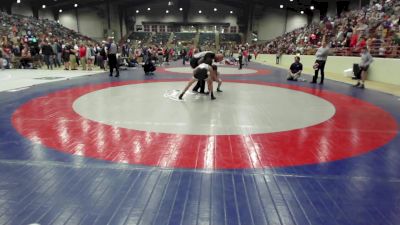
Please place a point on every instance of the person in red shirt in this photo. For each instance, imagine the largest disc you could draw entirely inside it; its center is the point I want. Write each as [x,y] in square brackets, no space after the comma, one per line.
[83,56]
[171,53]
[354,40]
[246,57]
[190,54]
[362,43]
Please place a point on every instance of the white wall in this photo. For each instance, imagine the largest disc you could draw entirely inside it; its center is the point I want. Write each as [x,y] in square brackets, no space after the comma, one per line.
[273,22]
[23,9]
[295,20]
[46,14]
[316,16]
[68,19]
[115,25]
[332,9]
[90,23]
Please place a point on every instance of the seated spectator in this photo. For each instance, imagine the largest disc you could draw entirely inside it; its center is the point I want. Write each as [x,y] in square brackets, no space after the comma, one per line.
[366,60]
[26,57]
[295,69]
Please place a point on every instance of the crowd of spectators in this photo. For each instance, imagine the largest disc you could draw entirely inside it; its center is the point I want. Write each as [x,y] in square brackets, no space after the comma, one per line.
[375,26]
[27,42]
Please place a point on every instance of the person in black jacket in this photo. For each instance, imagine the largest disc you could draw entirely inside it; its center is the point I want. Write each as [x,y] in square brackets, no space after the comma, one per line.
[48,53]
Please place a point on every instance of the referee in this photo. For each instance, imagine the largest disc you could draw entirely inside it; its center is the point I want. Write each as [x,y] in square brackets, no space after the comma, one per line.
[112,50]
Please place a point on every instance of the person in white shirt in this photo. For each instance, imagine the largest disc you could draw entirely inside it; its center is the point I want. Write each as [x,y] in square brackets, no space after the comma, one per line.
[90,55]
[366,60]
[112,50]
[321,57]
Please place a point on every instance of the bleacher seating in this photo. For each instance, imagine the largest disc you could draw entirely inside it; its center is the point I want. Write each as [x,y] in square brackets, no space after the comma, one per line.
[139,36]
[160,38]
[207,38]
[228,37]
[375,26]
[15,27]
[184,37]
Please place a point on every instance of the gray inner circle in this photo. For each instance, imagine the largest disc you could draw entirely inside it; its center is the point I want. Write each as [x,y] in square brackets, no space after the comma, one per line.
[222,70]
[240,109]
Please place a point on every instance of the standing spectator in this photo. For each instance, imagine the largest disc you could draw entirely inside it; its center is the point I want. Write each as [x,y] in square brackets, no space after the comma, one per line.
[57,53]
[191,53]
[171,54]
[145,52]
[366,60]
[36,57]
[78,57]
[72,57]
[48,54]
[246,57]
[160,53]
[321,57]
[278,56]
[112,50]
[103,57]
[82,56]
[125,51]
[66,56]
[167,55]
[90,56]
[240,59]
[183,55]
